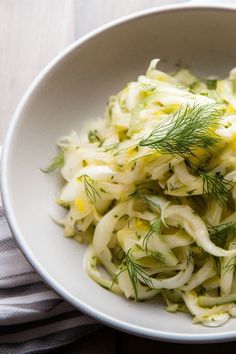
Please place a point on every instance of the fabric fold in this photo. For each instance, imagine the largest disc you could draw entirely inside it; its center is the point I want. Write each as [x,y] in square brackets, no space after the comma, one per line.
[33,318]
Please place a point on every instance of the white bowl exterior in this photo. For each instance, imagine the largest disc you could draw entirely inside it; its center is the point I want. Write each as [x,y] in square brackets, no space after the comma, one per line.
[73,90]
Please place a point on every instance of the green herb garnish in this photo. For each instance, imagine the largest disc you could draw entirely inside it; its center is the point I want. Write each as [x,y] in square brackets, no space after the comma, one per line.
[111,147]
[211,84]
[219,188]
[229,266]
[136,272]
[93,136]
[193,85]
[186,130]
[219,234]
[155,229]
[57,162]
[90,190]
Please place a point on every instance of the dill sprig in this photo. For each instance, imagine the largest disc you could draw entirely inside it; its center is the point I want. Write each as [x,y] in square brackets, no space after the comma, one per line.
[90,190]
[219,188]
[186,130]
[155,229]
[57,162]
[136,272]
[219,234]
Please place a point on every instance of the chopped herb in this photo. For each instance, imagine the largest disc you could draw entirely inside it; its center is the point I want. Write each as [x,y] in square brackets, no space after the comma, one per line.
[133,166]
[191,192]
[93,136]
[188,163]
[189,259]
[57,162]
[208,160]
[229,266]
[124,217]
[211,84]
[171,170]
[228,125]
[111,147]
[193,85]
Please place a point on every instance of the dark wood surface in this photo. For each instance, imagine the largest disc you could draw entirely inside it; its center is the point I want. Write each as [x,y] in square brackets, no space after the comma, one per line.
[110,341]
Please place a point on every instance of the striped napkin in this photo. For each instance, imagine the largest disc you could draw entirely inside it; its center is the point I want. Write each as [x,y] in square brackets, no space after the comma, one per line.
[33,319]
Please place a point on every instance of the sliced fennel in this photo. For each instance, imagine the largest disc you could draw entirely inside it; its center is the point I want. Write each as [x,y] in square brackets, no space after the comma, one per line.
[151,189]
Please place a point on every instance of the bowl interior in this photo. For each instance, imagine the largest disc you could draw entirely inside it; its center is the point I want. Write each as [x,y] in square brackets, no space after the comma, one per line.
[76,90]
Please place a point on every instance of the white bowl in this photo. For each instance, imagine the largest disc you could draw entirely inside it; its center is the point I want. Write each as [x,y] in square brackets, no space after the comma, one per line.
[74,88]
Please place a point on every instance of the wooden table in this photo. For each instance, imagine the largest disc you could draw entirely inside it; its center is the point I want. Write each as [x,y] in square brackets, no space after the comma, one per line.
[32,32]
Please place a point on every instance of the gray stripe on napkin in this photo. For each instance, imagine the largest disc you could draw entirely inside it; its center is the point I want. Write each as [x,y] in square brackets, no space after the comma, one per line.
[33,319]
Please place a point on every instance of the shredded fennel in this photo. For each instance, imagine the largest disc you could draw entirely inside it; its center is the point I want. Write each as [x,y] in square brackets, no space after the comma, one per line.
[151,189]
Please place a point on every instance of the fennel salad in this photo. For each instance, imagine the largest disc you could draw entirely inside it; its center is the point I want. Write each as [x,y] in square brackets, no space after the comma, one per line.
[151,190]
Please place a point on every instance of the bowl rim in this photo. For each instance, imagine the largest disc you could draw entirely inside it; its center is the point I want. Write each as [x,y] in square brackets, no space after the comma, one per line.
[4,187]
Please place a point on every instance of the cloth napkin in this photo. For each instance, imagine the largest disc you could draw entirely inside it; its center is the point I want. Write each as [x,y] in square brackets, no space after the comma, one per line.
[33,319]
